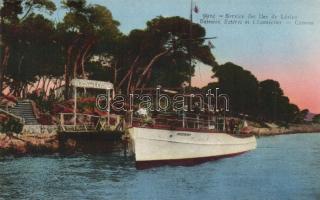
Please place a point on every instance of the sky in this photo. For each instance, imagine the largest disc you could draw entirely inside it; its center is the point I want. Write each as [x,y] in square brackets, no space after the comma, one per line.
[288,53]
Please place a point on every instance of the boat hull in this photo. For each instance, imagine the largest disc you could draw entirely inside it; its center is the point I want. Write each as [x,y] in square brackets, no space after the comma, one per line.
[160,146]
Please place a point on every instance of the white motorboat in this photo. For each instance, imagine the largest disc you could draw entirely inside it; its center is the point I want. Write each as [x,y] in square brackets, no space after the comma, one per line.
[158,145]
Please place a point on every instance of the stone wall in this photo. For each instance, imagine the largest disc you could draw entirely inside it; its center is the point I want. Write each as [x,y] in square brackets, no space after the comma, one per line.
[40,129]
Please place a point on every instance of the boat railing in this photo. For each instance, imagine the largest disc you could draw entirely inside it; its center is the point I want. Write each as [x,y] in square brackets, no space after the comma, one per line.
[186,122]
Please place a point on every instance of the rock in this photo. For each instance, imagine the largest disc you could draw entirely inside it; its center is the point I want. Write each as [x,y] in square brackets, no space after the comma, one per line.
[18,146]
[70,143]
[25,144]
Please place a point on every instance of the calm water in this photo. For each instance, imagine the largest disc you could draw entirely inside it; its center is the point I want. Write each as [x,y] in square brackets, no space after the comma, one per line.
[282,167]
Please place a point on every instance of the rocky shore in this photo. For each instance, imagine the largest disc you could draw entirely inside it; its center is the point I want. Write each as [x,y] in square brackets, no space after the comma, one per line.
[28,144]
[45,143]
[33,144]
[292,129]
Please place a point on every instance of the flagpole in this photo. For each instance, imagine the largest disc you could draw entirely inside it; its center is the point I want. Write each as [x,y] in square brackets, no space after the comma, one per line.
[190,40]
[191,9]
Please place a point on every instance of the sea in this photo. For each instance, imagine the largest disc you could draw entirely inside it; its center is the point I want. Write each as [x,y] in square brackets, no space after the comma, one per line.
[282,167]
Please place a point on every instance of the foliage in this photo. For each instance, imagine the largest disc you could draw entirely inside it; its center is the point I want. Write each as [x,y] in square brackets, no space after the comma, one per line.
[28,61]
[316,119]
[26,35]
[35,49]
[241,86]
[160,54]
[43,102]
[301,116]
[97,71]
[273,105]
[263,100]
[45,119]
[86,30]
[11,125]
[83,106]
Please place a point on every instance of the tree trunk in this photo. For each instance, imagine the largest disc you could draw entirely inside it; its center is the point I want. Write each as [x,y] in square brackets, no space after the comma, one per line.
[29,87]
[79,61]
[7,87]
[47,86]
[115,73]
[26,13]
[147,68]
[4,63]
[147,78]
[67,73]
[66,85]
[76,63]
[60,82]
[129,83]
[24,90]
[129,72]
[38,84]
[84,56]
[44,83]
[67,67]
[21,87]
[55,84]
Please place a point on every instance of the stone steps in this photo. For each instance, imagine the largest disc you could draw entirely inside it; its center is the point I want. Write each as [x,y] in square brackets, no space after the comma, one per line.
[23,109]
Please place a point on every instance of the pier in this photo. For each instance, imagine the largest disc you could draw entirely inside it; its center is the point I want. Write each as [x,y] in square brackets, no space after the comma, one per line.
[87,126]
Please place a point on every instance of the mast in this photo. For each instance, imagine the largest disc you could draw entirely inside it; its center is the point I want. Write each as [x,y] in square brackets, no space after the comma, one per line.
[190,41]
[193,9]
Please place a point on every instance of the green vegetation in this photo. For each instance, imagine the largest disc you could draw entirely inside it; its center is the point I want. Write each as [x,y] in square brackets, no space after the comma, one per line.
[316,119]
[44,103]
[37,53]
[241,86]
[264,101]
[11,126]
[159,54]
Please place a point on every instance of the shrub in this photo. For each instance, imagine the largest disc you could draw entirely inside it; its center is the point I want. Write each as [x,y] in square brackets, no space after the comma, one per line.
[11,126]
[45,104]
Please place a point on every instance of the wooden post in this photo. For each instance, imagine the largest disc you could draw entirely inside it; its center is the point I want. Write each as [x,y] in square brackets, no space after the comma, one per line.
[108,93]
[198,122]
[131,118]
[61,119]
[183,120]
[75,108]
